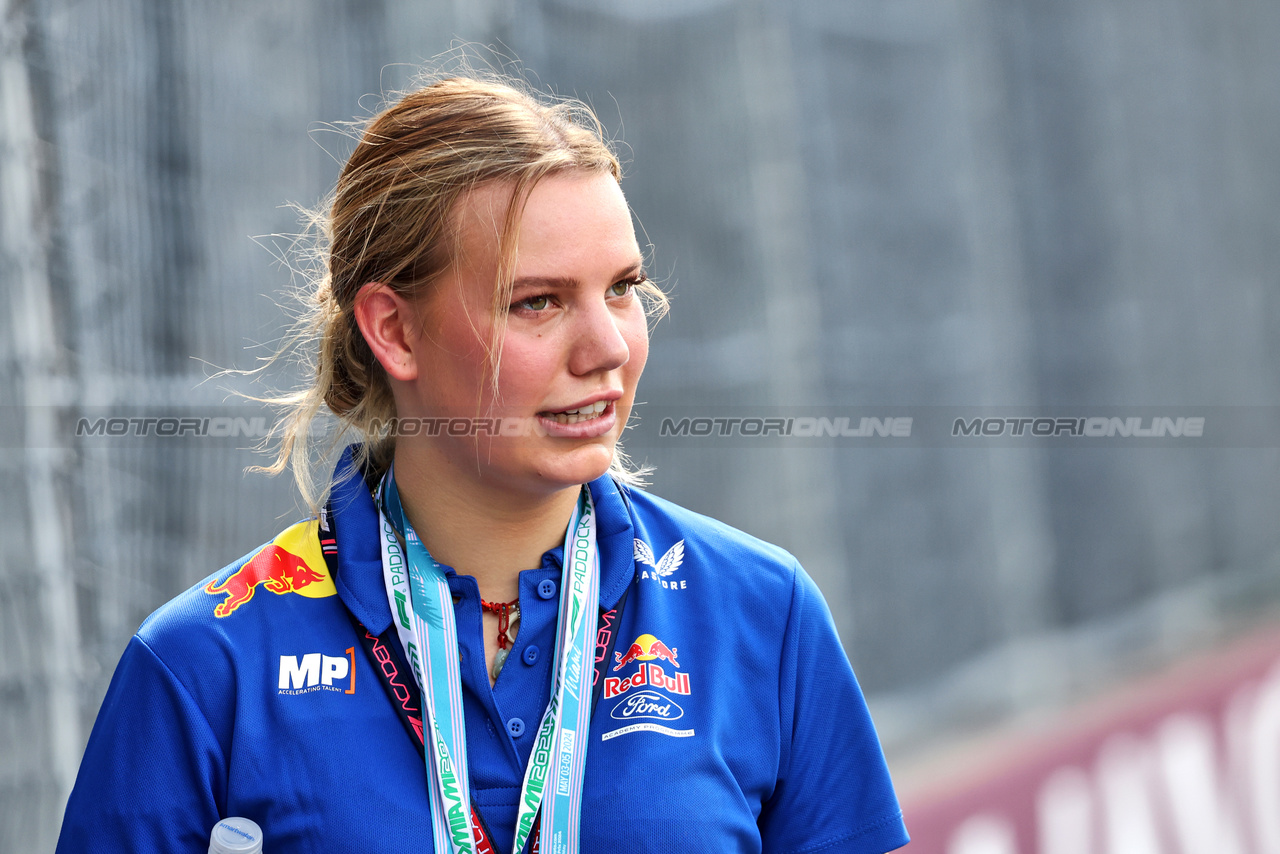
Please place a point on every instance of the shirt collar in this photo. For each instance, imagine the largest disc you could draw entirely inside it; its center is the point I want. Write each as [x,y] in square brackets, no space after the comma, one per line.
[615,539]
[359,574]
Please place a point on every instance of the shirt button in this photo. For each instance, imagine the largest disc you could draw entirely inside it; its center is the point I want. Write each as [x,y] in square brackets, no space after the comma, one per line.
[515,727]
[530,654]
[546,588]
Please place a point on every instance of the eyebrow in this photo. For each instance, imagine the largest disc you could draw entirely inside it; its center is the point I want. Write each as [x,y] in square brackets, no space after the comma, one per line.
[557,282]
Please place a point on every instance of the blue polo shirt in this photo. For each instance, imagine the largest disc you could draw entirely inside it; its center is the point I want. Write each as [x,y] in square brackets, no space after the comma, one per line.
[729,719]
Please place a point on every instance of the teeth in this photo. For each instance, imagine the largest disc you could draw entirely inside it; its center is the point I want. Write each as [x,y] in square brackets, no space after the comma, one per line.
[583,413]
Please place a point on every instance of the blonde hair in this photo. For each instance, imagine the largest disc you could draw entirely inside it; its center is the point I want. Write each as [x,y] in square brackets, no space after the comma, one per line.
[390,220]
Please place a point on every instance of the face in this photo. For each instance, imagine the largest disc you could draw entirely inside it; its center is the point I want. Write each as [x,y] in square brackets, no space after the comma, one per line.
[573,348]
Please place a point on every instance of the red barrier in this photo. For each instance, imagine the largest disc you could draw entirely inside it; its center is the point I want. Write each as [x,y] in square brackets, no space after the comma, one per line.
[1184,763]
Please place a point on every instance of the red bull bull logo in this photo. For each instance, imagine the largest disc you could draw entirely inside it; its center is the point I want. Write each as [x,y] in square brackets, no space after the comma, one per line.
[291,563]
[647,650]
[644,648]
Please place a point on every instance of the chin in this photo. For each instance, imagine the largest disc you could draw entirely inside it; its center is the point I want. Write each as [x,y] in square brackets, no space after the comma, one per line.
[582,465]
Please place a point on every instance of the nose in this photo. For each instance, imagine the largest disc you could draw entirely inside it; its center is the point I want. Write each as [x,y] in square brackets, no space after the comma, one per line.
[599,343]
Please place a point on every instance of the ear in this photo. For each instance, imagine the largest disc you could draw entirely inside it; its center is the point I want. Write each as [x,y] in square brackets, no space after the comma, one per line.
[388,323]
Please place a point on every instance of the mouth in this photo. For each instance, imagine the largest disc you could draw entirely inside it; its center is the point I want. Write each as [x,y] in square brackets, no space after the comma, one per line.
[587,420]
[589,412]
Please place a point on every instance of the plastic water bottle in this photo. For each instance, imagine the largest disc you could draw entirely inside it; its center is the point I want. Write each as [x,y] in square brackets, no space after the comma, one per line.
[235,836]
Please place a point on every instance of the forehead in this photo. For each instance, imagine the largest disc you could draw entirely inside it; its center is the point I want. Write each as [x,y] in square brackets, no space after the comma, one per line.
[577,220]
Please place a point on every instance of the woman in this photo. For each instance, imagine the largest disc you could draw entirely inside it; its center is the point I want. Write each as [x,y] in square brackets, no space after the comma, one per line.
[487,640]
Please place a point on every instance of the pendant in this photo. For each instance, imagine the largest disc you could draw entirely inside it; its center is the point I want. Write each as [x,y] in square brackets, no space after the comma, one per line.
[499,659]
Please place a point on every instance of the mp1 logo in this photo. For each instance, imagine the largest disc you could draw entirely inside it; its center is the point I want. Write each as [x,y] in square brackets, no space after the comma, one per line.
[318,672]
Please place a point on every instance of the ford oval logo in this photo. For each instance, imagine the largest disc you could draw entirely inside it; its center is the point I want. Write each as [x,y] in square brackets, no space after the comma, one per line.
[647,704]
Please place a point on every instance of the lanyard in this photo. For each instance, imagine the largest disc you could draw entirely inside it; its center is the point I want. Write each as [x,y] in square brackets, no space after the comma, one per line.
[393,671]
[552,791]
[385,655]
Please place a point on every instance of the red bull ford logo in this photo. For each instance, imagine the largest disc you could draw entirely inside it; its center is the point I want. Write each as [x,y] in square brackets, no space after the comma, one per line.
[291,563]
[646,650]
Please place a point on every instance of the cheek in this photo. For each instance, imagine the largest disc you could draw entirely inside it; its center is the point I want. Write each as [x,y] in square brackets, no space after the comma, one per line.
[636,334]
[526,368]
[455,373]
[458,346]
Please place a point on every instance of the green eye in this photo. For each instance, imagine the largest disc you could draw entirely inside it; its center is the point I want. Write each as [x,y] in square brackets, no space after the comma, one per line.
[536,303]
[627,286]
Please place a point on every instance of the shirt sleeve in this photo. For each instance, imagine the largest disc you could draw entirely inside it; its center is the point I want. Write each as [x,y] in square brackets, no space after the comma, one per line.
[151,769]
[833,792]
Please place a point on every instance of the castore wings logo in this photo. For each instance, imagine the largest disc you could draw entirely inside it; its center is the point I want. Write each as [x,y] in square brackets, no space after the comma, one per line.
[661,570]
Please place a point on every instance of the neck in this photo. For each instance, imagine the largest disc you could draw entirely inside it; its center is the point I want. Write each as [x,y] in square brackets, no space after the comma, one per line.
[485,531]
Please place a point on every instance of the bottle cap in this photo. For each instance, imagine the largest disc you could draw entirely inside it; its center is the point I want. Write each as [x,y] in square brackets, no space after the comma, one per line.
[235,836]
